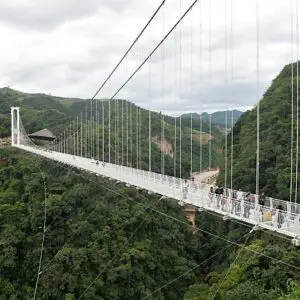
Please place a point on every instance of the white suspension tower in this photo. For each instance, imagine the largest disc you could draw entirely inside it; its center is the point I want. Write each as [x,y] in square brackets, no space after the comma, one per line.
[15,125]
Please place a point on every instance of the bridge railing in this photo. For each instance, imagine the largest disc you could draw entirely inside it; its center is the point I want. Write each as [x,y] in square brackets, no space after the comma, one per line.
[198,194]
[257,214]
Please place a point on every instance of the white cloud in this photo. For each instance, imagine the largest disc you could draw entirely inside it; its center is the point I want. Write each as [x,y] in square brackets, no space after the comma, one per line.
[67,48]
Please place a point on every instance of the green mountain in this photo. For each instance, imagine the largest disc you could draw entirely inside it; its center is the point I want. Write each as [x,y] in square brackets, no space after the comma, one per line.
[40,111]
[275,141]
[218,117]
[110,241]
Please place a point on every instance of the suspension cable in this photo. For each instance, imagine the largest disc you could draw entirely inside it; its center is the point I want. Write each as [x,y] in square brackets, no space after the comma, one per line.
[210,139]
[297,102]
[122,128]
[201,79]
[292,100]
[175,100]
[190,270]
[44,231]
[156,47]
[149,119]
[226,84]
[162,87]
[180,86]
[122,247]
[191,90]
[129,49]
[127,139]
[116,139]
[232,83]
[209,75]
[209,40]
[228,271]
[103,132]
[258,104]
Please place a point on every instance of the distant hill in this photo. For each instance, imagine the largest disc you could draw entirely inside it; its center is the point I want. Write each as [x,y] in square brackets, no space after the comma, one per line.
[217,117]
[39,111]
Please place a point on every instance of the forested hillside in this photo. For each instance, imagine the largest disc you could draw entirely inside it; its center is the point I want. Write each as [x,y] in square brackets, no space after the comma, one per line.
[40,111]
[218,117]
[126,243]
[275,141]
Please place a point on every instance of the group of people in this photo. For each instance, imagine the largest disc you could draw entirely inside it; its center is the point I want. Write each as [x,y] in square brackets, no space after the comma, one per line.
[241,202]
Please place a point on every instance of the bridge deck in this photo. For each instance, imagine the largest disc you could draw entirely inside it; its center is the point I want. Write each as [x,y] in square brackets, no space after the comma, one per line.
[197,194]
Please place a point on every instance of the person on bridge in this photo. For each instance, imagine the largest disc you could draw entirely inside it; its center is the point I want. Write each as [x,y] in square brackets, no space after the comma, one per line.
[240,201]
[211,195]
[261,199]
[185,189]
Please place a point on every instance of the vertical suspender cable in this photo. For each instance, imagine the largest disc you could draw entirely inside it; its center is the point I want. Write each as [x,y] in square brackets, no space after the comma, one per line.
[292,100]
[200,138]
[122,135]
[77,136]
[127,127]
[191,87]
[91,131]
[232,76]
[74,137]
[131,133]
[109,123]
[64,142]
[96,132]
[137,136]
[149,118]
[180,79]
[258,104]
[116,136]
[137,114]
[175,94]
[103,131]
[226,74]
[200,72]
[297,100]
[209,39]
[162,90]
[67,133]
[210,138]
[86,132]
[209,76]
[140,132]
[81,128]
[231,153]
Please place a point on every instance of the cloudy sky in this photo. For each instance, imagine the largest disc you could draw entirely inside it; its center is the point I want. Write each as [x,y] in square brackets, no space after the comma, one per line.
[68,47]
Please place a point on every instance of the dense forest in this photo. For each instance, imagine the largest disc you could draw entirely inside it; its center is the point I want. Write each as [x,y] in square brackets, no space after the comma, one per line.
[275,141]
[218,117]
[104,240]
[108,241]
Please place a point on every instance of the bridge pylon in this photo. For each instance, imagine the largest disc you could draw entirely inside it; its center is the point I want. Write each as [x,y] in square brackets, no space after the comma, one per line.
[15,125]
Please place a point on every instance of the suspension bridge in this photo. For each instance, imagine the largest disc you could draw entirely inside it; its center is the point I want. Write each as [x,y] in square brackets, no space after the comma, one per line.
[70,151]
[121,141]
[114,138]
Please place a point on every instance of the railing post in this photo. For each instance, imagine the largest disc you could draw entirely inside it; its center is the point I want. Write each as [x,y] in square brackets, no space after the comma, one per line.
[271,203]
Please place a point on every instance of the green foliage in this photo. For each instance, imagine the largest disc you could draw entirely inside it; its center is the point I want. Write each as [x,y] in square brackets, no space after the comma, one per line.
[88,227]
[126,138]
[217,118]
[275,141]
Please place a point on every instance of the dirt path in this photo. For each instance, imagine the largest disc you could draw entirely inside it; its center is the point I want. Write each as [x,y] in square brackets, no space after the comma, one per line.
[206,176]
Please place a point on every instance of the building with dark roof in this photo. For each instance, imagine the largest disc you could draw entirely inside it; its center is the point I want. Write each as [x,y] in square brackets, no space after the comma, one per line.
[44,135]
